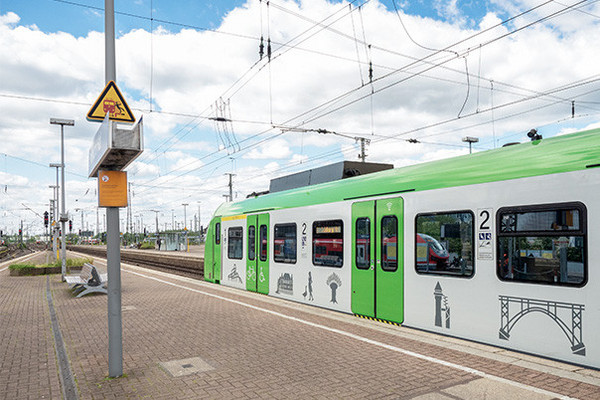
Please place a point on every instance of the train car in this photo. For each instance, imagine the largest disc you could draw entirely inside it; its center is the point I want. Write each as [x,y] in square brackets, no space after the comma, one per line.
[498,247]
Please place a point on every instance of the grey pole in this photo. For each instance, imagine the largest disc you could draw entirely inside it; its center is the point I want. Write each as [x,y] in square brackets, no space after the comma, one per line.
[199,220]
[55,212]
[187,243]
[63,214]
[470,140]
[184,214]
[113,250]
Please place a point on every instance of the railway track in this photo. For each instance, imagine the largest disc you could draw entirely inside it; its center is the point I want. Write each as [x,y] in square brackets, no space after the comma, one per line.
[188,266]
[13,250]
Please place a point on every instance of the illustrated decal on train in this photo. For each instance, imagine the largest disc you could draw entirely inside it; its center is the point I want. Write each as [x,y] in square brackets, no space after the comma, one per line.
[308,289]
[285,284]
[574,331]
[251,273]
[234,276]
[441,306]
[334,282]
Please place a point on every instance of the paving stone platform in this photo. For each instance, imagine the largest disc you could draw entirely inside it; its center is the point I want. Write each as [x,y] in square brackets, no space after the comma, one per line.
[187,339]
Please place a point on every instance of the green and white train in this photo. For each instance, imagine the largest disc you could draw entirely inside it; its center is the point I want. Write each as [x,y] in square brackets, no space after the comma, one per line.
[500,247]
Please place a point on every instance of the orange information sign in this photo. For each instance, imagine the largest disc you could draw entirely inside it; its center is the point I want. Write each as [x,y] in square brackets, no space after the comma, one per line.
[112,189]
[111,101]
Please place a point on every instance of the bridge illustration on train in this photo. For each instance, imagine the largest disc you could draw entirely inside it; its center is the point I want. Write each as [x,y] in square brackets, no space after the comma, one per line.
[549,308]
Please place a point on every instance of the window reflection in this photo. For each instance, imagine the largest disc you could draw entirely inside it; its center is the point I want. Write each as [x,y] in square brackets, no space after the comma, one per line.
[234,245]
[542,244]
[284,244]
[389,243]
[444,243]
[363,243]
[328,243]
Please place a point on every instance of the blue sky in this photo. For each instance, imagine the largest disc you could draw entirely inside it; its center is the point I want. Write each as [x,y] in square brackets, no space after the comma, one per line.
[502,84]
[80,17]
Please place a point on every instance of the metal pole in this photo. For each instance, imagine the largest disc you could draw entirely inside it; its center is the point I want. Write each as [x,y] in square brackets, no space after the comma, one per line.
[113,258]
[63,214]
[113,250]
[187,243]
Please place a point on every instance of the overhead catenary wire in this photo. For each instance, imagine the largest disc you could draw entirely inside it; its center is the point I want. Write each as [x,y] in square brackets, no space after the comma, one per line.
[438,123]
[435,65]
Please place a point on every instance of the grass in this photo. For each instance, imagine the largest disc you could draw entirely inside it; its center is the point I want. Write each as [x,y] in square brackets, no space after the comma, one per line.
[33,269]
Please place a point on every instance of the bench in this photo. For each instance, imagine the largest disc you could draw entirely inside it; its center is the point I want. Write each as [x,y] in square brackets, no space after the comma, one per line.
[88,281]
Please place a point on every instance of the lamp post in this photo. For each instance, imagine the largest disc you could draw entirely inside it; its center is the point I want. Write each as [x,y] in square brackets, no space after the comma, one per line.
[470,140]
[54,207]
[187,243]
[63,215]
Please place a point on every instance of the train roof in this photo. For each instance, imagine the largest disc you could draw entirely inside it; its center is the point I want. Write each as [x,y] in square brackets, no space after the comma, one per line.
[576,151]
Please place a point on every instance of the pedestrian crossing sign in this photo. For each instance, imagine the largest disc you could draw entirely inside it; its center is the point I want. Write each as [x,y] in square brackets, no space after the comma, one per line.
[111,101]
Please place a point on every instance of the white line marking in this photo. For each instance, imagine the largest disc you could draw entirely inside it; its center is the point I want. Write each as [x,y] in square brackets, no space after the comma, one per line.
[366,340]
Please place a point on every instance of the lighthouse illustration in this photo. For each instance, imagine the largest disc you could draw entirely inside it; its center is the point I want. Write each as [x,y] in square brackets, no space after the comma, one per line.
[441,306]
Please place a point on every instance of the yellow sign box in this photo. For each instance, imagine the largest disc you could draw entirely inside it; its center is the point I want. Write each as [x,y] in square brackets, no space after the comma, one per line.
[112,189]
[111,101]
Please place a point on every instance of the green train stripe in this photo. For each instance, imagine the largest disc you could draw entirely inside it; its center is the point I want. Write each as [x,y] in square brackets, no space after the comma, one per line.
[559,154]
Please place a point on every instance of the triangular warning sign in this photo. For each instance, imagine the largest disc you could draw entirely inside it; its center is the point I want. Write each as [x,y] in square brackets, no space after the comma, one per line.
[111,101]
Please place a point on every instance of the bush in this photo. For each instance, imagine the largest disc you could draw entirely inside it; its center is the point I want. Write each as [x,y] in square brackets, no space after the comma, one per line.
[40,269]
[147,245]
[20,266]
[22,269]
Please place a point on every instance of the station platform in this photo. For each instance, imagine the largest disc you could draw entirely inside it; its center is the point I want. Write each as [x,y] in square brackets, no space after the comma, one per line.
[189,339]
[195,251]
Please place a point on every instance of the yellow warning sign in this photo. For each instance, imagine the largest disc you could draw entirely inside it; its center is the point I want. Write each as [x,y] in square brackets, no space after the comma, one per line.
[111,101]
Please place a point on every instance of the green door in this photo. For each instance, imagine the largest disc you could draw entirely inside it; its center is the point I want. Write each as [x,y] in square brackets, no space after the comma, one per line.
[212,256]
[378,255]
[363,260]
[262,253]
[251,256]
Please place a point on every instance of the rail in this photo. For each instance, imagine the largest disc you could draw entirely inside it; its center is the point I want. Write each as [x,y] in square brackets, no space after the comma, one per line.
[186,265]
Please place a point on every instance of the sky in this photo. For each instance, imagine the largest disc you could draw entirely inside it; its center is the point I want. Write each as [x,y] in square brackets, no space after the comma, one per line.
[387,71]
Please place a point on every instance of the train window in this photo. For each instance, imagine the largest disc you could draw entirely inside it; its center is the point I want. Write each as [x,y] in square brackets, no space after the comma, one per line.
[543,244]
[362,242]
[263,243]
[218,233]
[284,243]
[328,243]
[444,243]
[251,243]
[389,243]
[234,245]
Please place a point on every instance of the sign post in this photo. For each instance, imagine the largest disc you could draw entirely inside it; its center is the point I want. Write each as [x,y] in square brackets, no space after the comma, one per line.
[113,148]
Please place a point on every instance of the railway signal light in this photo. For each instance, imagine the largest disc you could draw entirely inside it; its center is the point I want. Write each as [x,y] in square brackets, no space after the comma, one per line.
[70,226]
[46,219]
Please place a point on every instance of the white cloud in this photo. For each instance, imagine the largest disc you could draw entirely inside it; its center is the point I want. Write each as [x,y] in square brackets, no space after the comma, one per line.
[275,149]
[192,69]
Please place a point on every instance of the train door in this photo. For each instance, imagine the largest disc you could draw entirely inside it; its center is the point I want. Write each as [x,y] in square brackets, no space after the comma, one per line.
[212,256]
[251,257]
[262,253]
[377,259]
